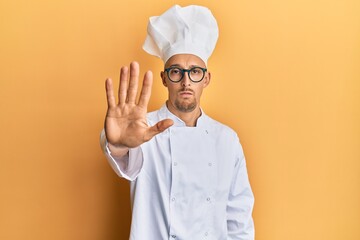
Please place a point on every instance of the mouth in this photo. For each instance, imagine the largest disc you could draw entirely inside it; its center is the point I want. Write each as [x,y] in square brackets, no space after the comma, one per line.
[186,92]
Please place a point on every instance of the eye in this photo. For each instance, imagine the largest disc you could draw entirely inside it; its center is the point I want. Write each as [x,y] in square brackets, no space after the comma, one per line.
[175,71]
[195,71]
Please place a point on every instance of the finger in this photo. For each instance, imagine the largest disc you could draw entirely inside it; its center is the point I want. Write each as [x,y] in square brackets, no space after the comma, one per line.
[158,128]
[146,89]
[133,84]
[123,85]
[110,93]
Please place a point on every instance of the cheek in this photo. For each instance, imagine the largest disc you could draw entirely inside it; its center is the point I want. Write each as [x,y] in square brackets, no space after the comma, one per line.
[199,91]
[172,91]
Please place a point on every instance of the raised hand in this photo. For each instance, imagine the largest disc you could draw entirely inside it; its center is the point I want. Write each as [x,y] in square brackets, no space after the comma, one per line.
[125,122]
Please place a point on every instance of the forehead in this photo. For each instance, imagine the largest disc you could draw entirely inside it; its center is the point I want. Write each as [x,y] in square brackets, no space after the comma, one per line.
[185,61]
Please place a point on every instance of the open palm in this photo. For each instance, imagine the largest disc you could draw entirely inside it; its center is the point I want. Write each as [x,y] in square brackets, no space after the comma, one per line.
[125,122]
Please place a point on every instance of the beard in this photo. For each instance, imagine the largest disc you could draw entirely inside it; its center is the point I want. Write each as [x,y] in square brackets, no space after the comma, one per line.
[185,106]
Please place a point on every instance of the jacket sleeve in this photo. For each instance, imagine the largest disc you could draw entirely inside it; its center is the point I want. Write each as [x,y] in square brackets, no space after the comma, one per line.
[128,166]
[240,223]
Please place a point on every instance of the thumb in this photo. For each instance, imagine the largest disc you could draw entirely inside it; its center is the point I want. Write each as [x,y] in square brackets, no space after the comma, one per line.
[158,128]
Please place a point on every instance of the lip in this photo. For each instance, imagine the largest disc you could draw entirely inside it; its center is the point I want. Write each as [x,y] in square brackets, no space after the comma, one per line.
[185,93]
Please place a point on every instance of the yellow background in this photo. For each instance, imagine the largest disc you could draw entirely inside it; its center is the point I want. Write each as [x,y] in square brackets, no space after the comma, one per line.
[285,76]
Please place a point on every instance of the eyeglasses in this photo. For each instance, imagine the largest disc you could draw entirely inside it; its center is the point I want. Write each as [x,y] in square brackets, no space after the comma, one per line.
[175,74]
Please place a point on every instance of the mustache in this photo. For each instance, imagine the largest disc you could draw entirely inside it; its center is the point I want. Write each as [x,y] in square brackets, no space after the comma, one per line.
[186,90]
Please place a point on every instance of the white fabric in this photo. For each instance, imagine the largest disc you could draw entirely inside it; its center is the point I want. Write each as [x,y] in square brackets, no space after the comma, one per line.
[182,30]
[188,183]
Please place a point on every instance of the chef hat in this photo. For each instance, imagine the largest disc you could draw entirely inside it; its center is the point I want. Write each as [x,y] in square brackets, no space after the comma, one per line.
[188,30]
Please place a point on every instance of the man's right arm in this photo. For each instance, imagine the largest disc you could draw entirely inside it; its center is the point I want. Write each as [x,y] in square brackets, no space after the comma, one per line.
[125,121]
[126,127]
[120,161]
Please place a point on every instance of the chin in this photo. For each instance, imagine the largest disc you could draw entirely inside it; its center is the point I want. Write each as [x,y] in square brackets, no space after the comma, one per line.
[185,107]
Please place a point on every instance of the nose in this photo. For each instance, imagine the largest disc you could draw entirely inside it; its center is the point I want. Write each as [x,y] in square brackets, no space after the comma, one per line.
[185,81]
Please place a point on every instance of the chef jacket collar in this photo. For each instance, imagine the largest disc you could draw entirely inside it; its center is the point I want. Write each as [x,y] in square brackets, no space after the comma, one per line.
[165,113]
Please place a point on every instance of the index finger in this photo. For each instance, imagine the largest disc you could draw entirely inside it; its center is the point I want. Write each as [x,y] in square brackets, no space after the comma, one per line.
[146,89]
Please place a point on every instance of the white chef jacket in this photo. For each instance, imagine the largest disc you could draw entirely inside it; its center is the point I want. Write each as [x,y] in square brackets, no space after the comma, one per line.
[188,183]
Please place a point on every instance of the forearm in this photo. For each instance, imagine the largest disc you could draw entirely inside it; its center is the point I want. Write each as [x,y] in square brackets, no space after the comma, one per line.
[240,204]
[126,162]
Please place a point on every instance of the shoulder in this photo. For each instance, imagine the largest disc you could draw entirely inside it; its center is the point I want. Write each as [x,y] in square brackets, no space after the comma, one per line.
[220,128]
[225,137]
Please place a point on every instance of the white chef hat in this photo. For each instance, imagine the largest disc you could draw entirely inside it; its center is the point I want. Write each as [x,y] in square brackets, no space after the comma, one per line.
[182,30]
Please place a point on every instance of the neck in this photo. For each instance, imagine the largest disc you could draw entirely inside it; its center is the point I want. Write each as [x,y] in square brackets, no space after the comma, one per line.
[189,118]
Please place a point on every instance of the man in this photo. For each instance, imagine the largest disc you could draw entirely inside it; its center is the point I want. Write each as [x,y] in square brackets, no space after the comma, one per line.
[187,171]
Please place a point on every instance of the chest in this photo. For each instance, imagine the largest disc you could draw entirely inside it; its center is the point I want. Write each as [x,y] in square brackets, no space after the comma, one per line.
[190,162]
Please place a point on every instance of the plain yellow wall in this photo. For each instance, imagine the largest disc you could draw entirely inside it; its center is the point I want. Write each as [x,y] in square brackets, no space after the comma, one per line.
[285,76]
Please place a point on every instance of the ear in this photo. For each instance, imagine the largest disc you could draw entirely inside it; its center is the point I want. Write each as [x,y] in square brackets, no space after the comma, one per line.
[162,75]
[207,79]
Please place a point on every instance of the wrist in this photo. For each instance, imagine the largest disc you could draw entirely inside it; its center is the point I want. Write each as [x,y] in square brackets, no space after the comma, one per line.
[117,150]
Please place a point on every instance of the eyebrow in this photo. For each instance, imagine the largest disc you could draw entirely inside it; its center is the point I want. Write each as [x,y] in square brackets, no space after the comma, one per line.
[178,65]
